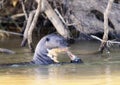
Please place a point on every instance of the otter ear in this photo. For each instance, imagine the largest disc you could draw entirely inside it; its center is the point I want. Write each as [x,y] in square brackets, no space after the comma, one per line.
[47,39]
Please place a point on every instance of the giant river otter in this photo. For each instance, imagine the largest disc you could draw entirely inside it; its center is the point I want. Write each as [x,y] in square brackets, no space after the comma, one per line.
[44,54]
[46,44]
[52,42]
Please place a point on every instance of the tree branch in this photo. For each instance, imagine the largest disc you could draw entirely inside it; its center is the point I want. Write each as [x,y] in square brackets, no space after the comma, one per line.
[106,30]
[33,24]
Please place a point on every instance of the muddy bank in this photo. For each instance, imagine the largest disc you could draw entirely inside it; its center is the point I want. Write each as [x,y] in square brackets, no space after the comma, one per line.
[85,15]
[90,14]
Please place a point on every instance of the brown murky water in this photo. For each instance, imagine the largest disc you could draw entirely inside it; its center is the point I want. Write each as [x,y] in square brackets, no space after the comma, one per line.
[97,69]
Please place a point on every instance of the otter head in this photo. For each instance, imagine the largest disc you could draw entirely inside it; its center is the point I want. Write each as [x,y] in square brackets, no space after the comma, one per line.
[55,45]
[55,41]
[44,51]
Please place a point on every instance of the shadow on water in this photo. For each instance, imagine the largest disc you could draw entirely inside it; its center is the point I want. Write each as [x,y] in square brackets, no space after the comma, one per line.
[96,70]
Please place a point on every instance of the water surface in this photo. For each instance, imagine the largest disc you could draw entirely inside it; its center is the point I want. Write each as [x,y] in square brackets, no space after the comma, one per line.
[97,69]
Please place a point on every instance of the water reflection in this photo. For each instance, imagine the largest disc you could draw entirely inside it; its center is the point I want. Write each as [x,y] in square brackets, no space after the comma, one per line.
[108,75]
[61,74]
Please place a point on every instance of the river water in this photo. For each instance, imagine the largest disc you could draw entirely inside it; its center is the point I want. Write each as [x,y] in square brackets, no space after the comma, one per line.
[97,69]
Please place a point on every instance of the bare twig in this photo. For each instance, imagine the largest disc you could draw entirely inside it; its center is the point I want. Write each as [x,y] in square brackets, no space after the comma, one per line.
[13,33]
[109,41]
[32,26]
[1,3]
[23,7]
[29,21]
[67,24]
[14,17]
[106,30]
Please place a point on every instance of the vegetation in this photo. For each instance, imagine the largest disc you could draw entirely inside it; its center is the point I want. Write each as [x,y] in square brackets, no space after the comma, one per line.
[22,17]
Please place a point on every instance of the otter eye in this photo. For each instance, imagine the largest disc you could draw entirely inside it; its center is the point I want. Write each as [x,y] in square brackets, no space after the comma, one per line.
[47,39]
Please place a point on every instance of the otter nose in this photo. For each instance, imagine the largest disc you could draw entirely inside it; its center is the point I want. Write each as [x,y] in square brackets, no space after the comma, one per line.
[67,44]
[64,43]
[70,41]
